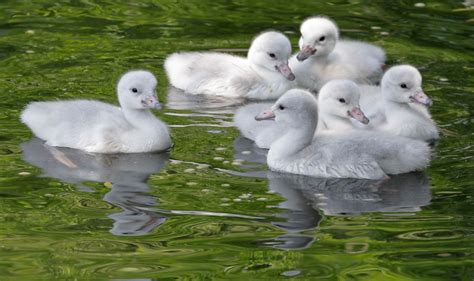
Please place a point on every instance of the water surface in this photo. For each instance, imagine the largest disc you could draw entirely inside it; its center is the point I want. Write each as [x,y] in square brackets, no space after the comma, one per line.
[210,209]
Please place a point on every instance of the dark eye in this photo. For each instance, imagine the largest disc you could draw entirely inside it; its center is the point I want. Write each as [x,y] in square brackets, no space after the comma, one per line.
[135,90]
[342,100]
[322,38]
[272,55]
[403,85]
[281,107]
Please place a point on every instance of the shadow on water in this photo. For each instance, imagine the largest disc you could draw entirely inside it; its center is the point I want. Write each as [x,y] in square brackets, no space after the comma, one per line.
[179,100]
[128,173]
[308,197]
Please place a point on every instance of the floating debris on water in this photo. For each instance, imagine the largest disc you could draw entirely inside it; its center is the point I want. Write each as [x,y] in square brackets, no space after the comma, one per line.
[218,158]
[420,5]
[246,152]
[191,183]
[225,185]
[24,173]
[220,148]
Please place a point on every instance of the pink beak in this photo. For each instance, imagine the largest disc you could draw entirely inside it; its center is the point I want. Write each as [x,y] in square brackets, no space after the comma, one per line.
[151,102]
[422,98]
[285,70]
[266,115]
[358,115]
[305,53]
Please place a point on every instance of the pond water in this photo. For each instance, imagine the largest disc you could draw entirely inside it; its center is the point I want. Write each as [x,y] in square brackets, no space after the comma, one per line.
[210,209]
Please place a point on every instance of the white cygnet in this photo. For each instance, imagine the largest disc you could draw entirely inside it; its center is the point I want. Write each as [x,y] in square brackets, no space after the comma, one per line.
[94,126]
[265,73]
[355,154]
[399,106]
[323,57]
[338,103]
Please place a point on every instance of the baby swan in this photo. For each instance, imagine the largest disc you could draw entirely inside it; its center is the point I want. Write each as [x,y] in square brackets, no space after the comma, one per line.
[265,73]
[94,126]
[338,102]
[356,154]
[399,105]
[323,57]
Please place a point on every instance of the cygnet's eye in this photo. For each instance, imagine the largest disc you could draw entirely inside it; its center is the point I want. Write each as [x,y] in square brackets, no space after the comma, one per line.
[341,100]
[272,55]
[403,85]
[322,38]
[281,107]
[135,90]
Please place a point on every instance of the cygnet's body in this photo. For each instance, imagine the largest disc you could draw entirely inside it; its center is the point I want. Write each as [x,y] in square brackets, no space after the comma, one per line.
[338,103]
[264,74]
[356,154]
[99,127]
[324,57]
[399,105]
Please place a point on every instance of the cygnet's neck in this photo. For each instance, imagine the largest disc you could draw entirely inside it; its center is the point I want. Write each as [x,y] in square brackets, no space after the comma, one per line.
[293,140]
[333,122]
[141,118]
[267,74]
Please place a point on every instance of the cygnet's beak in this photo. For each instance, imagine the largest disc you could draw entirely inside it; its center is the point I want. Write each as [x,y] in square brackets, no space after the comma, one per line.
[358,115]
[266,115]
[422,98]
[151,102]
[305,53]
[285,70]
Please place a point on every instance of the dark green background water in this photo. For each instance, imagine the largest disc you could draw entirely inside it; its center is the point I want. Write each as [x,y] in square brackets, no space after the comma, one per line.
[200,214]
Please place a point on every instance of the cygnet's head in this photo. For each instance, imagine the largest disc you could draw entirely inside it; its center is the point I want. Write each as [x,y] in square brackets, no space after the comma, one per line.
[295,109]
[318,37]
[341,98]
[402,84]
[271,51]
[137,90]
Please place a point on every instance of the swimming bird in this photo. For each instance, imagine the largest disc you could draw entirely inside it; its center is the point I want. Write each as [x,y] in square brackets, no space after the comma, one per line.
[338,103]
[354,154]
[323,56]
[98,127]
[264,74]
[399,106]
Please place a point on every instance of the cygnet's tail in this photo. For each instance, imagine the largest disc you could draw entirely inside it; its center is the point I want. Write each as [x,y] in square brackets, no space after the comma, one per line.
[35,117]
[178,69]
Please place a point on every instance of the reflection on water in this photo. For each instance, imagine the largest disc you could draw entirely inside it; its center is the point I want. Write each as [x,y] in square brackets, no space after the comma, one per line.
[128,174]
[179,100]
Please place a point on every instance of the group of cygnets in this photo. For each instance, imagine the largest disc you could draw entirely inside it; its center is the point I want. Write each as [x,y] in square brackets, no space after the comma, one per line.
[330,119]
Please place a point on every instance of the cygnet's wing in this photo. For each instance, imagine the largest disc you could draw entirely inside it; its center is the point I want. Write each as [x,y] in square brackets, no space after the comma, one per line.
[366,59]
[71,123]
[337,156]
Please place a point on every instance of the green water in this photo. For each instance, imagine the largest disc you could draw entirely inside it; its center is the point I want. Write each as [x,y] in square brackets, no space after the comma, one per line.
[196,213]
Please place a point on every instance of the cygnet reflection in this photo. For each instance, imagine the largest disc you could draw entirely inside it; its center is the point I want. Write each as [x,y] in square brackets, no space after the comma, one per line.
[128,174]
